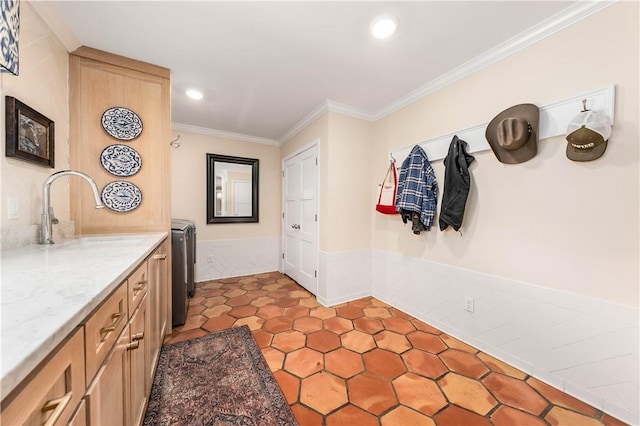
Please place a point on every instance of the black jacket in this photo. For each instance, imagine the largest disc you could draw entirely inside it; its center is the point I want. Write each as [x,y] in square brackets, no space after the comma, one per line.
[457,182]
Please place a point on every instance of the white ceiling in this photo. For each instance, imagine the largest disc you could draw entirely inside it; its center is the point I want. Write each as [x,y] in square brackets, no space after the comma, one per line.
[264,66]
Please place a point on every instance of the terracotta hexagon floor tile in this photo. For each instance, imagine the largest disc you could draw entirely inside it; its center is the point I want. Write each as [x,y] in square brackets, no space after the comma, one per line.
[351,415]
[263,301]
[194,321]
[507,416]
[289,385]
[238,301]
[309,302]
[343,363]
[288,341]
[251,286]
[274,358]
[323,392]
[296,312]
[300,294]
[195,310]
[397,313]
[242,311]
[236,292]
[210,302]
[392,341]
[253,322]
[454,343]
[307,324]
[210,293]
[278,294]
[277,324]
[263,338]
[218,323]
[559,398]
[323,341]
[305,416]
[377,312]
[338,325]
[368,325]
[357,341]
[349,312]
[425,327]
[467,393]
[380,303]
[403,416]
[286,302]
[456,416]
[607,420]
[384,363]
[268,312]
[419,393]
[427,342]
[360,303]
[322,312]
[216,311]
[187,335]
[515,393]
[229,280]
[304,362]
[256,294]
[208,285]
[424,363]
[464,363]
[371,393]
[561,416]
[399,325]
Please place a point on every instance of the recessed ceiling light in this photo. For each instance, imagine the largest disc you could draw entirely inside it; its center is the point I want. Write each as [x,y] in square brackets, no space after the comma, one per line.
[384,26]
[195,94]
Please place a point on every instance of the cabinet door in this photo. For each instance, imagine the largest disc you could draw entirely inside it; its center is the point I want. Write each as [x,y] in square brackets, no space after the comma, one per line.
[108,396]
[157,304]
[139,353]
[53,394]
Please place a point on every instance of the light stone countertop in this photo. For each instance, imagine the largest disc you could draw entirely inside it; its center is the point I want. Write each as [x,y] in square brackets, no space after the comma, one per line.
[47,291]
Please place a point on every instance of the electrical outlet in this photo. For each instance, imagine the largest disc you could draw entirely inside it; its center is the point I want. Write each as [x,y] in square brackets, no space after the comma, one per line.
[12,209]
[210,258]
[468,304]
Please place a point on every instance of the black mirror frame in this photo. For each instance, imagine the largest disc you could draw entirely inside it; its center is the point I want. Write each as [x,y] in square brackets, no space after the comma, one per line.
[211,184]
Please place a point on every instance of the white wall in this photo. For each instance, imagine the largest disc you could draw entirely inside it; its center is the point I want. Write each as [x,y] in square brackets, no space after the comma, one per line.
[43,85]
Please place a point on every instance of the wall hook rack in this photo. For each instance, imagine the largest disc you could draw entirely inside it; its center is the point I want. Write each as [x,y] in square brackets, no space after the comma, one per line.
[175,143]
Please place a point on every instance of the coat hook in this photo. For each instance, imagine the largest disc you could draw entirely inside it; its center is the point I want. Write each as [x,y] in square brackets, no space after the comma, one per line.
[174,143]
[393,160]
[584,105]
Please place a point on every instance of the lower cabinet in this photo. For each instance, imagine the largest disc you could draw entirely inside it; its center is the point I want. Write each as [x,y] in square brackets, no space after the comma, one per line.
[102,373]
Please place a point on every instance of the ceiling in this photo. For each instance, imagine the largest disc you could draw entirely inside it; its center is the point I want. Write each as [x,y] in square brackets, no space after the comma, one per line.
[263,66]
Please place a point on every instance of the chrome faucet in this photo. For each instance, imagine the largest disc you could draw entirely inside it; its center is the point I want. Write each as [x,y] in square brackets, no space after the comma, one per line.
[48,218]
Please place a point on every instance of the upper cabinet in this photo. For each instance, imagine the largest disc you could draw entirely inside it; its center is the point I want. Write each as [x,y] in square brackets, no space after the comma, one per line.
[120,129]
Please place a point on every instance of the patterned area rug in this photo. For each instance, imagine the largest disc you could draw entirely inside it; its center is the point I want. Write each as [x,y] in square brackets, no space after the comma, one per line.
[218,379]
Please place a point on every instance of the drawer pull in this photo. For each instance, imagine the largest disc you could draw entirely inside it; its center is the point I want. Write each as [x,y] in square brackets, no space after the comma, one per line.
[133,345]
[138,336]
[160,256]
[58,405]
[141,285]
[104,331]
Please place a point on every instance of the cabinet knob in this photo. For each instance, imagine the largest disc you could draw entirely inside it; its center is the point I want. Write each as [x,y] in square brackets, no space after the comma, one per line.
[160,256]
[58,405]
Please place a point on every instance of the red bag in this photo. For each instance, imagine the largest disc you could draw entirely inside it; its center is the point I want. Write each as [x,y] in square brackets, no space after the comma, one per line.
[388,188]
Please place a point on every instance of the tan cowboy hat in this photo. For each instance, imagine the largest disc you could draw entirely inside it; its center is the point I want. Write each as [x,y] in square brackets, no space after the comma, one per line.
[513,134]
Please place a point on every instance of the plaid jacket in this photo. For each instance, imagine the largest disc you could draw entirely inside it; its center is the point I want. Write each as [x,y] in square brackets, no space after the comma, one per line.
[417,187]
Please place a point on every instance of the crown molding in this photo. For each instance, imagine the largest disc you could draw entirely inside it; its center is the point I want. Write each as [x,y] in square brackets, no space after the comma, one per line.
[223,134]
[56,24]
[555,23]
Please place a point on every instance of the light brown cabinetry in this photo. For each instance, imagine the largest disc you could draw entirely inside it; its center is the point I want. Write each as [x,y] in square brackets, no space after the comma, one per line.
[101,374]
[98,81]
[50,396]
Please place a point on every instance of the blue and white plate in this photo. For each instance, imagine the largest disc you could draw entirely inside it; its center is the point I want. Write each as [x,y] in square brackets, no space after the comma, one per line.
[120,160]
[121,196]
[122,123]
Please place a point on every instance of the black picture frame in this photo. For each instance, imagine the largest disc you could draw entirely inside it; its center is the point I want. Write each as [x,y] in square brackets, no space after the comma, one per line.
[212,196]
[30,136]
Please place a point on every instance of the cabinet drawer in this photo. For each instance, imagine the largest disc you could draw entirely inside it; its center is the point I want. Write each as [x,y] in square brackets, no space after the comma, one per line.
[103,327]
[138,284]
[50,396]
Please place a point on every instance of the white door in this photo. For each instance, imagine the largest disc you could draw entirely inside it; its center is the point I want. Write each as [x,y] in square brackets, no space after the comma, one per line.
[242,198]
[300,218]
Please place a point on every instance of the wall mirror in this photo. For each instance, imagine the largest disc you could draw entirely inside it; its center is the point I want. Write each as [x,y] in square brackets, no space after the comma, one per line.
[232,189]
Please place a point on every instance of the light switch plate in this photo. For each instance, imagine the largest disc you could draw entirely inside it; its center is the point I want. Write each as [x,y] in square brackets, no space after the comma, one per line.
[12,209]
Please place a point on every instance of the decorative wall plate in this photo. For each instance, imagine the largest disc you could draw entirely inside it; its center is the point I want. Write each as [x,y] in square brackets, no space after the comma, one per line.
[121,196]
[122,123]
[120,160]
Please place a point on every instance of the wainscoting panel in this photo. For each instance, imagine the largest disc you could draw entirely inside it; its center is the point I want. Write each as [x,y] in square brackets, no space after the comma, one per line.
[232,258]
[585,347]
[343,276]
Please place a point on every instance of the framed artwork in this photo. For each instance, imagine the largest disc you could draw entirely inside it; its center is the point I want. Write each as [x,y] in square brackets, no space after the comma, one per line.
[29,134]
[9,30]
